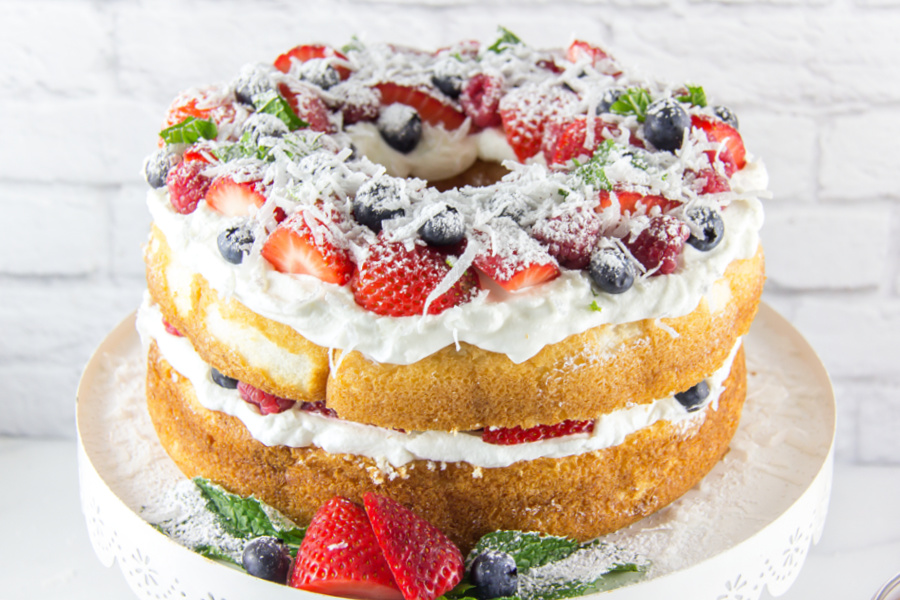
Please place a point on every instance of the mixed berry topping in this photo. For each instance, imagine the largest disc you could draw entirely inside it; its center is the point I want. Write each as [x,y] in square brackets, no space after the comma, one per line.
[613,174]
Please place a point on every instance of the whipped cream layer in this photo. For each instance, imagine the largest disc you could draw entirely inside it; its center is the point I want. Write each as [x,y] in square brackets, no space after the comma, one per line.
[392,449]
[518,324]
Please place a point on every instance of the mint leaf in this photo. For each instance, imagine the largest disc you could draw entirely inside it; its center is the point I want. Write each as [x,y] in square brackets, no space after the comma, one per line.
[695,96]
[633,101]
[274,103]
[216,554]
[507,38]
[247,517]
[189,131]
[528,549]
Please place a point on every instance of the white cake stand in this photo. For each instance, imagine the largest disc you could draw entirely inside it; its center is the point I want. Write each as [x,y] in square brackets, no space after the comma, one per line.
[746,528]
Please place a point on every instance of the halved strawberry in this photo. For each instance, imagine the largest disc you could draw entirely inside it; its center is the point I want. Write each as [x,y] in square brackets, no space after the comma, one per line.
[306,52]
[517,262]
[507,436]
[573,142]
[235,199]
[267,403]
[659,245]
[596,56]
[340,556]
[307,105]
[304,244]
[207,103]
[187,185]
[733,155]
[424,562]
[396,281]
[525,113]
[430,109]
[480,100]
[634,202]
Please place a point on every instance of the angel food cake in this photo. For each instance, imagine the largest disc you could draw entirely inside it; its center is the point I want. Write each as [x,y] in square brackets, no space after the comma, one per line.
[505,287]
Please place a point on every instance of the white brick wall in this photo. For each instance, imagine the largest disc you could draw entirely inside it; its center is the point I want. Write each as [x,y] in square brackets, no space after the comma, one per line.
[83,84]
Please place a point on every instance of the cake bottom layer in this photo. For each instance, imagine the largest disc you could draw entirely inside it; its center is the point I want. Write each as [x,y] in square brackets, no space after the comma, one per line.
[582,496]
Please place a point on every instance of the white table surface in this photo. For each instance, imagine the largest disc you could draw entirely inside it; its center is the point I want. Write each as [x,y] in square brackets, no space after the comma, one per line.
[45,552]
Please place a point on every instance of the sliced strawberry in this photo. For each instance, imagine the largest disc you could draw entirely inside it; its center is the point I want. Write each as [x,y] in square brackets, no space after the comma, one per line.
[307,52]
[304,244]
[201,151]
[517,262]
[635,202]
[526,112]
[187,185]
[659,245]
[430,109]
[480,100]
[267,403]
[595,56]
[307,105]
[396,281]
[573,141]
[340,556]
[569,236]
[424,562]
[208,103]
[507,436]
[721,132]
[234,199]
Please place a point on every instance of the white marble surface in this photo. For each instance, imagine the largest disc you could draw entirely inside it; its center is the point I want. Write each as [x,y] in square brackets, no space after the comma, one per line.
[45,552]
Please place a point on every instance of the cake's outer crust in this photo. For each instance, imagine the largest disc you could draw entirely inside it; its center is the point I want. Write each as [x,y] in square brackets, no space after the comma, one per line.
[581,496]
[586,375]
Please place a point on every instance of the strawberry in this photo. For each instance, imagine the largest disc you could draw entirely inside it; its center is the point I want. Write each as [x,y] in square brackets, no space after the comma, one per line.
[305,244]
[187,185]
[430,109]
[424,562]
[507,436]
[267,403]
[201,151]
[573,140]
[307,105]
[518,262]
[318,408]
[171,330]
[709,181]
[306,52]
[733,154]
[525,113]
[480,100]
[234,199]
[208,103]
[569,236]
[595,56]
[635,202]
[340,556]
[394,280]
[659,245]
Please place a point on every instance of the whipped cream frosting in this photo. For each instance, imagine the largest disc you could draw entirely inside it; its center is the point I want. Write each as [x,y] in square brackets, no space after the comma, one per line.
[393,449]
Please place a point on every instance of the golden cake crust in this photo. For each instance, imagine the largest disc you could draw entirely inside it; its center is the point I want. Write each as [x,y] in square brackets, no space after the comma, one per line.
[580,496]
[581,377]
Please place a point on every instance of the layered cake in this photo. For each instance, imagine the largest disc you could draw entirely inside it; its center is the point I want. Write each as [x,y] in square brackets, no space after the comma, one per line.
[505,287]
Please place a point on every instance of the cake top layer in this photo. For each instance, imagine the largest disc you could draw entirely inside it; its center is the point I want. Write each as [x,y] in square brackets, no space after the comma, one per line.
[309,189]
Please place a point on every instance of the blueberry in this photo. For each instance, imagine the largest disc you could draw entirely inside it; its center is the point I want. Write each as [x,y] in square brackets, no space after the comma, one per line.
[611,270]
[726,114]
[252,81]
[665,124]
[260,125]
[235,242]
[444,229]
[608,99]
[400,126]
[320,73]
[157,165]
[376,201]
[450,85]
[494,575]
[267,558]
[708,223]
[222,380]
[693,398]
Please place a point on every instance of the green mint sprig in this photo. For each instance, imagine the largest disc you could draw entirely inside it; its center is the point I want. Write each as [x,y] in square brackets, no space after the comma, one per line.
[528,549]
[695,96]
[248,517]
[274,103]
[189,131]
[633,101]
[507,38]
[593,172]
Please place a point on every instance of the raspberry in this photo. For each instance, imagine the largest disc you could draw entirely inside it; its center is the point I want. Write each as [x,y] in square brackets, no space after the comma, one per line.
[658,246]
[569,237]
[187,185]
[481,100]
[267,403]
